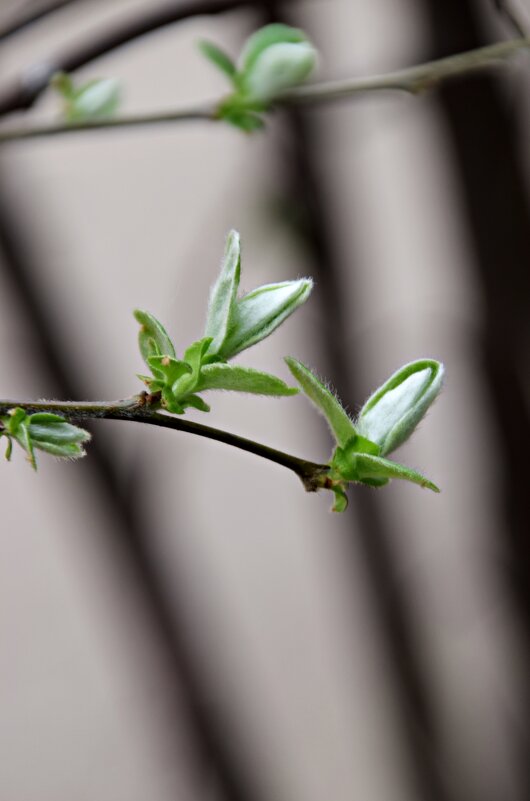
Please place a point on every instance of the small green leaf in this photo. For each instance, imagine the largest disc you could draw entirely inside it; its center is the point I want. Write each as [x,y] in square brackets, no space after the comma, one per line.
[375,467]
[242,379]
[392,413]
[153,339]
[221,309]
[265,37]
[326,402]
[46,428]
[63,84]
[260,312]
[218,57]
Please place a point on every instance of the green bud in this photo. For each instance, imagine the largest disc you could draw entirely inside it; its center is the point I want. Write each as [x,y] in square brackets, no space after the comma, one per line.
[278,68]
[222,306]
[262,39]
[260,312]
[93,101]
[45,431]
[391,414]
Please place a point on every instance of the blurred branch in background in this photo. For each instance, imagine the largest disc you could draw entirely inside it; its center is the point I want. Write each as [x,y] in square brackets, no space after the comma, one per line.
[30,13]
[372,544]
[483,134]
[413,80]
[512,17]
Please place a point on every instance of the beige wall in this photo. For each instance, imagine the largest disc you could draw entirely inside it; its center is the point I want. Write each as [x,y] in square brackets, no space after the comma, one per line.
[281,617]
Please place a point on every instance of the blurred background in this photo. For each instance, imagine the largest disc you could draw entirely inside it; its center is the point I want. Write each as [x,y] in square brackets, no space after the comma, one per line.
[179,620]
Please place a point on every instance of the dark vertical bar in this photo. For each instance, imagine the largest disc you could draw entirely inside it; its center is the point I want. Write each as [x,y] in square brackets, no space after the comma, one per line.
[484,139]
[213,744]
[391,605]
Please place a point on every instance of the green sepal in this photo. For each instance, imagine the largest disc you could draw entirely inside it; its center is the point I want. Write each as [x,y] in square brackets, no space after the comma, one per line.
[222,305]
[350,464]
[153,338]
[326,402]
[170,403]
[261,311]
[9,447]
[195,402]
[341,499]
[63,84]
[248,121]
[242,379]
[392,413]
[218,57]
[16,425]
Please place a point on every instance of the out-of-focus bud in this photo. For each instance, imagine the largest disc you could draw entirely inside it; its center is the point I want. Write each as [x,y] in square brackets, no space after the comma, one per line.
[278,68]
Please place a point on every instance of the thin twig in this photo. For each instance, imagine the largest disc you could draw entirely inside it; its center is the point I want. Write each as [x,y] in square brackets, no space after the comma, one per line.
[412,80]
[136,409]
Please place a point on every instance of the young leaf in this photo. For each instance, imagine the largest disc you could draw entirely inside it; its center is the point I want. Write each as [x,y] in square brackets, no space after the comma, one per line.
[193,356]
[222,304]
[392,413]
[153,339]
[341,426]
[242,379]
[45,427]
[260,312]
[218,57]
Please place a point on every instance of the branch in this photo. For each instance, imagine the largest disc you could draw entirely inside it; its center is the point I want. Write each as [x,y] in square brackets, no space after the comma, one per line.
[29,15]
[136,409]
[412,80]
[35,79]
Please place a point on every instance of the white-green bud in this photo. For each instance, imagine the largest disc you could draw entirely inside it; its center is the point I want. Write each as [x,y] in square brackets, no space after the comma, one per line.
[392,413]
[260,312]
[278,68]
